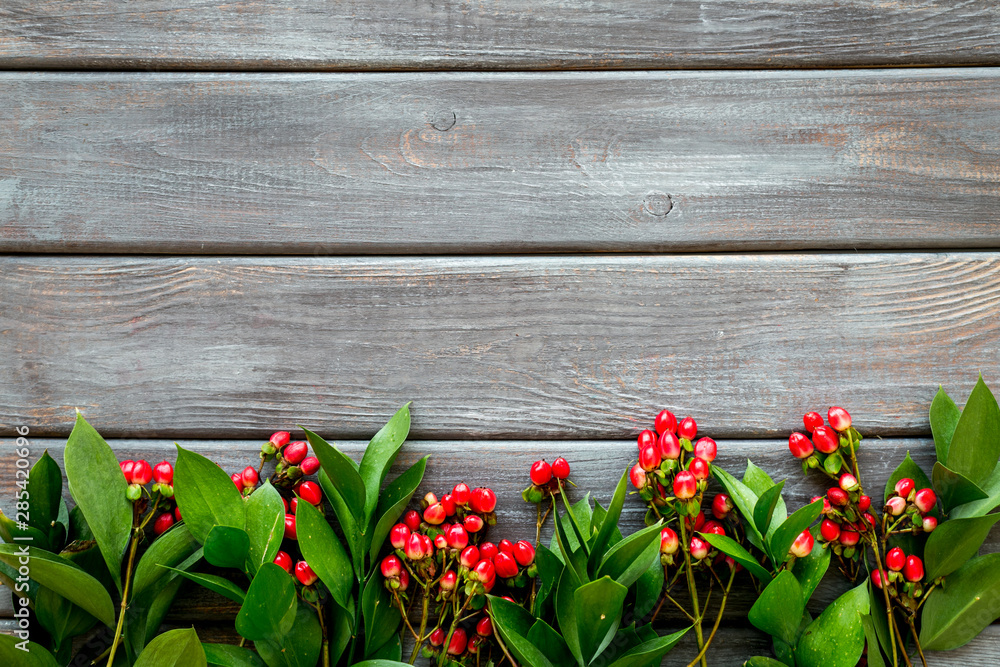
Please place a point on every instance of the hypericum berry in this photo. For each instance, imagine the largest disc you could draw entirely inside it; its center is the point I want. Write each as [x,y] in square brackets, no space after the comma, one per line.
[506,566]
[448,580]
[914,569]
[541,473]
[458,642]
[811,420]
[895,560]
[670,446]
[284,561]
[177,513]
[722,505]
[803,545]
[293,506]
[929,524]
[126,467]
[484,571]
[440,541]
[469,557]
[435,514]
[647,438]
[437,637]
[827,508]
[904,487]
[668,541]
[142,472]
[162,523]
[398,535]
[305,574]
[706,449]
[829,530]
[688,428]
[895,506]
[237,480]
[925,499]
[487,550]
[290,527]
[665,421]
[712,528]
[457,537]
[826,439]
[839,419]
[849,538]
[877,578]
[448,503]
[837,497]
[249,477]
[649,458]
[864,502]
[848,482]
[280,438]
[800,446]
[685,485]
[414,549]
[505,546]
[461,494]
[295,452]
[484,628]
[412,520]
[637,476]
[163,473]
[699,468]
[699,548]
[429,499]
[560,468]
[404,580]
[524,553]
[483,500]
[473,523]
[696,523]
[309,465]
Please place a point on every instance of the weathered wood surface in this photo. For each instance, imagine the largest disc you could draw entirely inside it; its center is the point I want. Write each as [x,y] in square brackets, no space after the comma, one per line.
[513,34]
[486,163]
[518,347]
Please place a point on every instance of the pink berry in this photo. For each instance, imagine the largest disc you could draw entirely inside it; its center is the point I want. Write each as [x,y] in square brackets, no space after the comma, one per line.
[688,428]
[699,548]
[848,482]
[541,473]
[929,524]
[637,476]
[484,570]
[458,642]
[127,467]
[412,520]
[305,574]
[800,446]
[877,578]
[435,514]
[647,438]
[437,637]
[448,503]
[487,550]
[457,537]
[448,580]
[505,546]
[849,538]
[524,553]
[670,446]
[895,506]
[250,477]
[668,541]
[649,458]
[904,487]
[461,494]
[473,523]
[706,449]
[864,502]
[290,526]
[665,421]
[829,530]
[712,528]
[469,557]
[177,513]
[685,485]
[506,566]
[295,452]
[699,468]
[839,419]
[803,545]
[811,420]
[560,468]
[837,497]
[826,439]
[484,628]
[280,438]
[398,536]
[483,501]
[925,499]
[309,465]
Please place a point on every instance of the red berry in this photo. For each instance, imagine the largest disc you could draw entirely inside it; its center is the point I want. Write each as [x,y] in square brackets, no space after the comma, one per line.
[864,502]
[440,541]
[699,468]
[811,420]
[398,535]
[250,477]
[560,468]
[929,524]
[849,538]
[829,530]
[647,438]
[925,500]
[448,503]
[295,452]
[848,482]
[280,438]
[649,458]
[670,446]
[803,545]
[412,520]
[904,487]
[483,501]
[177,513]
[826,439]
[668,541]
[461,494]
[293,506]
[309,465]
[826,503]
[688,428]
[469,557]
[473,523]
[163,473]
[237,480]
[706,449]
[800,446]
[712,528]
[448,580]
[142,472]
[505,546]
[310,492]
[895,506]
[127,467]
[637,476]
[696,523]
[437,637]
[541,473]
[458,642]
[484,570]
[435,514]
[839,419]
[665,421]
[457,537]
[284,561]
[914,569]
[837,497]
[290,527]
[685,485]
[415,547]
[524,553]
[488,550]
[877,578]
[895,560]
[722,505]
[285,502]
[404,580]
[484,628]
[304,573]
[162,523]
[699,548]
[506,566]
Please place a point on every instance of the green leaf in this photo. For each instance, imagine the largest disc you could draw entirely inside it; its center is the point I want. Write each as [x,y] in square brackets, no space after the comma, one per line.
[176,648]
[324,552]
[215,583]
[647,589]
[60,617]
[908,468]
[734,550]
[342,474]
[944,416]
[744,499]
[879,618]
[955,489]
[300,646]
[954,542]
[809,571]
[598,614]
[575,559]
[626,561]
[379,455]
[514,623]
[228,655]
[756,479]
[778,610]
[764,507]
[579,532]
[13,532]
[975,445]
[36,655]
[381,617]
[837,637]
[227,547]
[649,652]
[566,611]
[65,578]
[550,643]
[44,492]
[168,549]
[609,523]
[781,540]
[265,525]
[833,463]
[985,506]
[269,609]
[391,504]
[98,486]
[871,640]
[206,495]
[549,570]
[380,663]
[969,601]
[762,661]
[348,523]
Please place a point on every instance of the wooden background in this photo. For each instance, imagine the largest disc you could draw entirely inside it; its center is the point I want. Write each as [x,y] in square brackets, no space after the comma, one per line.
[221,219]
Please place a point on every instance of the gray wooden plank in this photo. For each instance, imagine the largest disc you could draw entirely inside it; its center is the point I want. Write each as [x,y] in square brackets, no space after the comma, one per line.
[499,163]
[515,34]
[512,347]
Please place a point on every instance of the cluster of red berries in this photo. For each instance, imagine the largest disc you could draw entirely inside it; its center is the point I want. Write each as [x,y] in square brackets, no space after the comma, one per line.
[138,474]
[546,480]
[825,439]
[845,516]
[901,569]
[293,458]
[722,507]
[662,462]
[907,505]
[460,642]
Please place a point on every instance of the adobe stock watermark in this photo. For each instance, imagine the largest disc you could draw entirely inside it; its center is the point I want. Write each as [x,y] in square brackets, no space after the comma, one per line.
[22,510]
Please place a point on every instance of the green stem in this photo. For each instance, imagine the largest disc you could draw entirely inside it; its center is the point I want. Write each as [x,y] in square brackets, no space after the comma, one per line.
[885,594]
[423,628]
[718,619]
[692,588]
[134,538]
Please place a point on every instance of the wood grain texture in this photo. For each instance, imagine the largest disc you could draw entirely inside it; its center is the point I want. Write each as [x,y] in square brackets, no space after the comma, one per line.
[499,163]
[514,34]
[521,347]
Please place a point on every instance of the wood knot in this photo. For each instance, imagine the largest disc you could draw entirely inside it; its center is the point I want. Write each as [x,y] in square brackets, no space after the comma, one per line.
[443,120]
[658,203]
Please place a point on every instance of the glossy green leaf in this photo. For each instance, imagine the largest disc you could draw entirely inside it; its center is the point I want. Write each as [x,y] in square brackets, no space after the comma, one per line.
[13,532]
[348,524]
[78,527]
[175,648]
[392,651]
[61,618]
[650,652]
[550,643]
[782,539]
[44,492]
[975,445]
[514,623]
[379,455]
[809,571]
[955,489]
[969,601]
[265,525]
[837,637]
[228,655]
[756,479]
[566,611]
[98,486]
[227,547]
[609,523]
[148,608]
[744,499]
[734,550]
[762,661]
[323,551]
[598,614]
[879,619]
[575,559]
[778,610]
[764,508]
[65,578]
[342,474]
[981,507]
[944,416]
[647,589]
[269,609]
[874,651]
[392,503]
[214,583]
[380,663]
[169,549]
[908,468]
[579,532]
[549,570]
[954,542]
[36,655]
[206,495]
[300,646]
[626,561]
[381,616]
[339,623]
